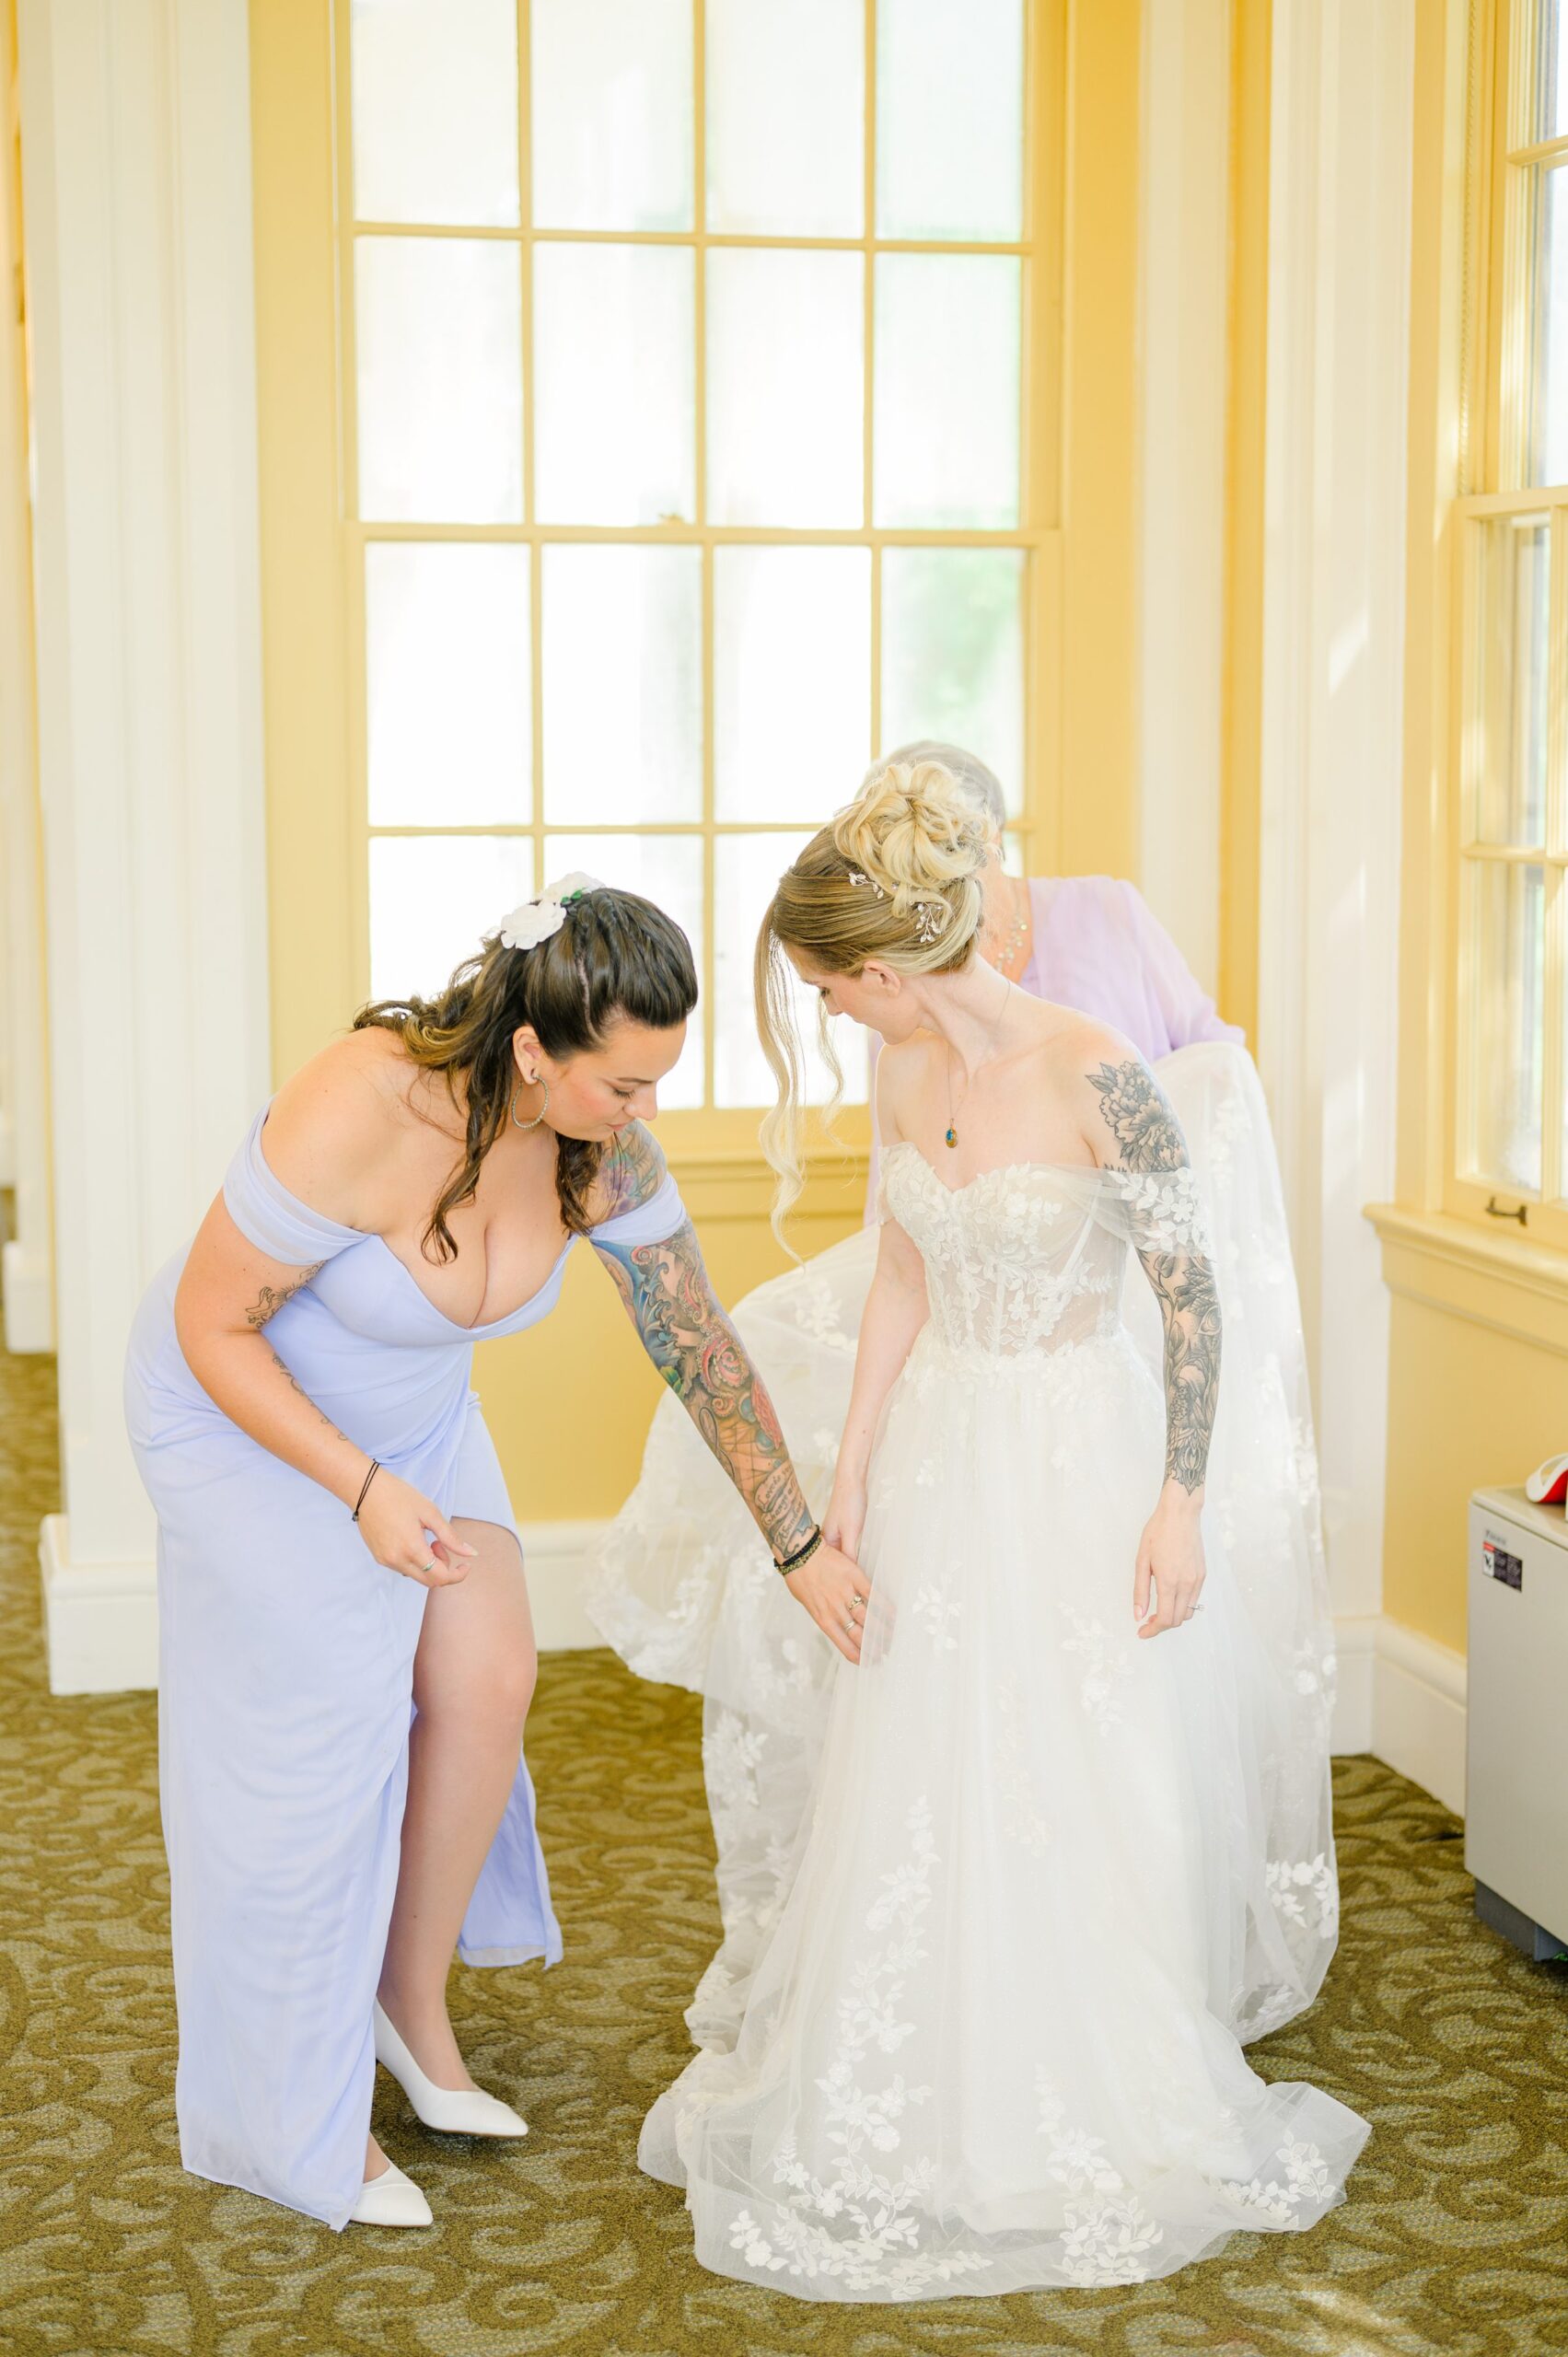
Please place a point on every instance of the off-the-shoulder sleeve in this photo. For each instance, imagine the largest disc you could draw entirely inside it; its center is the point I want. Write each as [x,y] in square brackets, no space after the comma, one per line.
[1157,1211]
[272,1219]
[645,1223]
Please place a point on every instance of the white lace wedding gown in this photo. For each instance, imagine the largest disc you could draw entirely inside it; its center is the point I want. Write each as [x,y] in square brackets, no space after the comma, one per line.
[685,1588]
[990,2040]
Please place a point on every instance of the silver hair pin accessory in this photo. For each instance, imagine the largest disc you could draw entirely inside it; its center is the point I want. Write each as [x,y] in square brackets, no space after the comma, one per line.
[930,920]
[856,877]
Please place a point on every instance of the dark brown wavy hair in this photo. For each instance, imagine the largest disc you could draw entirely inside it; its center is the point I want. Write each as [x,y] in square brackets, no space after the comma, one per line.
[615,955]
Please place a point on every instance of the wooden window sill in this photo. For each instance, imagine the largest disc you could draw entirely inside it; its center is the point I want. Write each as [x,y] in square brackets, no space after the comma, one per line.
[1508,1282]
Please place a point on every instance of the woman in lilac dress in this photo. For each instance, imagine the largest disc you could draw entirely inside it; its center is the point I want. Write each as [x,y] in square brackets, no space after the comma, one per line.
[683,1593]
[346,1652]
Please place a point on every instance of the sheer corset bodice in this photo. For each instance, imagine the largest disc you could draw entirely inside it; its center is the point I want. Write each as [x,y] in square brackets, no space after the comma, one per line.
[1030,1258]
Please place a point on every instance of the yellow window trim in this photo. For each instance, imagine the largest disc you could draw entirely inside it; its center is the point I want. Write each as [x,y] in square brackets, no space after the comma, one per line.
[1505,1282]
[1463,441]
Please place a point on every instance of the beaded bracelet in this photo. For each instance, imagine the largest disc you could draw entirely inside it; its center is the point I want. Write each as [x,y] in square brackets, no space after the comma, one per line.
[792,1562]
[375,1468]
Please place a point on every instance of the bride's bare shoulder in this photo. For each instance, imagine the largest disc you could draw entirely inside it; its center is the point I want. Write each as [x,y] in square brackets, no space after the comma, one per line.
[904,1068]
[1118,1108]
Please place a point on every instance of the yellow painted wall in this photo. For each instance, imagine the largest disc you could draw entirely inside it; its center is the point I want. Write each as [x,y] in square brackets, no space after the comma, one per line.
[1468,1408]
[1246,384]
[1096,817]
[569,1405]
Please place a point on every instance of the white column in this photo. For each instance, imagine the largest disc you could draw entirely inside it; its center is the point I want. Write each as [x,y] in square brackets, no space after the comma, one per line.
[26,1272]
[138,217]
[1338,272]
[1183,299]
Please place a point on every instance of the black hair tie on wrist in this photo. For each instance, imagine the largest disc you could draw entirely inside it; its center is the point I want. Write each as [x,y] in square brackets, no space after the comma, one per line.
[375,1468]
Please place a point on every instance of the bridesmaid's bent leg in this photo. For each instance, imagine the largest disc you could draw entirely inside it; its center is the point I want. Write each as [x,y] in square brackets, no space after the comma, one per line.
[474,1679]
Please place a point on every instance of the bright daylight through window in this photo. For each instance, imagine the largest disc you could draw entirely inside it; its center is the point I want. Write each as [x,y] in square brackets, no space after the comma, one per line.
[687,435]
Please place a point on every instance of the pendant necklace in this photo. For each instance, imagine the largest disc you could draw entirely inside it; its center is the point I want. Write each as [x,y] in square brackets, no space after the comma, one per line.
[953,1111]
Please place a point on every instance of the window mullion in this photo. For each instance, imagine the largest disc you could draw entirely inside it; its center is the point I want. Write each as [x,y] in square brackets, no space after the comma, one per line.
[700,380]
[536,556]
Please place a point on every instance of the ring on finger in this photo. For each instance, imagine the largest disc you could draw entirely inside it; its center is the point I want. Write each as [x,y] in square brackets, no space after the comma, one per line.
[427,1567]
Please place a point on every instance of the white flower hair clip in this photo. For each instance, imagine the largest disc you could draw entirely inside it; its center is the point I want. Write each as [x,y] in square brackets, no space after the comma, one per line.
[534,921]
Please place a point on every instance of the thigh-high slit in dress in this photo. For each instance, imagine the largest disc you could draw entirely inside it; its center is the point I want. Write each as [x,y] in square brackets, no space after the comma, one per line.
[286,1683]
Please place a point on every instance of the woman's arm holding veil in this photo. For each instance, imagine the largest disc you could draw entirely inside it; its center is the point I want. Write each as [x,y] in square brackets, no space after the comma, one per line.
[694,1347]
[896,1309]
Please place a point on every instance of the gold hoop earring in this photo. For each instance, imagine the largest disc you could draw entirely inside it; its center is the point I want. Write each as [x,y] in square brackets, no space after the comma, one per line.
[543,1109]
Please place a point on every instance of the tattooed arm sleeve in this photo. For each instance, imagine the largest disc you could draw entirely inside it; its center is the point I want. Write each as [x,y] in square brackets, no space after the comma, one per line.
[671,1302]
[1148,1160]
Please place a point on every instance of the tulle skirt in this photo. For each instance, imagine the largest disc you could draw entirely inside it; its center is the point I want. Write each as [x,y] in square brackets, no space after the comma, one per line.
[987,2039]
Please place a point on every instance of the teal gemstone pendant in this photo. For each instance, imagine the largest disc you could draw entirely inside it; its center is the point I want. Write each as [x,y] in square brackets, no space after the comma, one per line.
[952,1134]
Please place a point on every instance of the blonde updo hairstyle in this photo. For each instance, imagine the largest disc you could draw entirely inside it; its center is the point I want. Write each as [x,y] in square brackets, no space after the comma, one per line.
[894,878]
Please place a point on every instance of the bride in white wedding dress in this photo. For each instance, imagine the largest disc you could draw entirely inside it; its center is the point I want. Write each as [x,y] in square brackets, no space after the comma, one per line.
[683,1592]
[991,2038]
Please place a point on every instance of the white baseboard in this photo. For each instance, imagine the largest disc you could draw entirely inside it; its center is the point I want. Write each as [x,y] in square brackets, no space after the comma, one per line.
[99,1620]
[556,1554]
[1418,1712]
[1355,1645]
[28,1287]
[1400,1696]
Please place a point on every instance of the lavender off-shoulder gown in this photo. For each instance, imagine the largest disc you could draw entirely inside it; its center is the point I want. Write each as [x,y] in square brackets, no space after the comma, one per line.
[285,1703]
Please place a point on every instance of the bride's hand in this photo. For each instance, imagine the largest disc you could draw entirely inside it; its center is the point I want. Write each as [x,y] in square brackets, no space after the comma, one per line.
[1170,1560]
[845,1517]
[833,1590]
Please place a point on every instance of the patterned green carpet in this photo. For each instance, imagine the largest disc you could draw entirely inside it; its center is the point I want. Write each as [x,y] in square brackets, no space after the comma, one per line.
[1453,2240]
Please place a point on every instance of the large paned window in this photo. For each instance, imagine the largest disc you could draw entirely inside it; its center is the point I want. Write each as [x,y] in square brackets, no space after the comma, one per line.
[1510,1098]
[693,421]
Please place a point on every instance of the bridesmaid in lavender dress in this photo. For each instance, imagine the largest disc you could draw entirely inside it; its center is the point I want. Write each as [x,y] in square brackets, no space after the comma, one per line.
[683,1594]
[346,1652]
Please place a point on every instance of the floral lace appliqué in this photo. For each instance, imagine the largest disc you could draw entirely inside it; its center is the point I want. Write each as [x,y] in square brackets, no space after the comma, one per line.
[937,1613]
[1105,1670]
[1016,1790]
[878,2241]
[1104,2238]
[1165,1210]
[731,1753]
[1305,2183]
[1302,1883]
[1016,1259]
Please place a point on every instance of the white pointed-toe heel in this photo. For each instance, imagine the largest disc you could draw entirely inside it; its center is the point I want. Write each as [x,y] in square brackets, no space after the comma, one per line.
[391,2199]
[457,2111]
